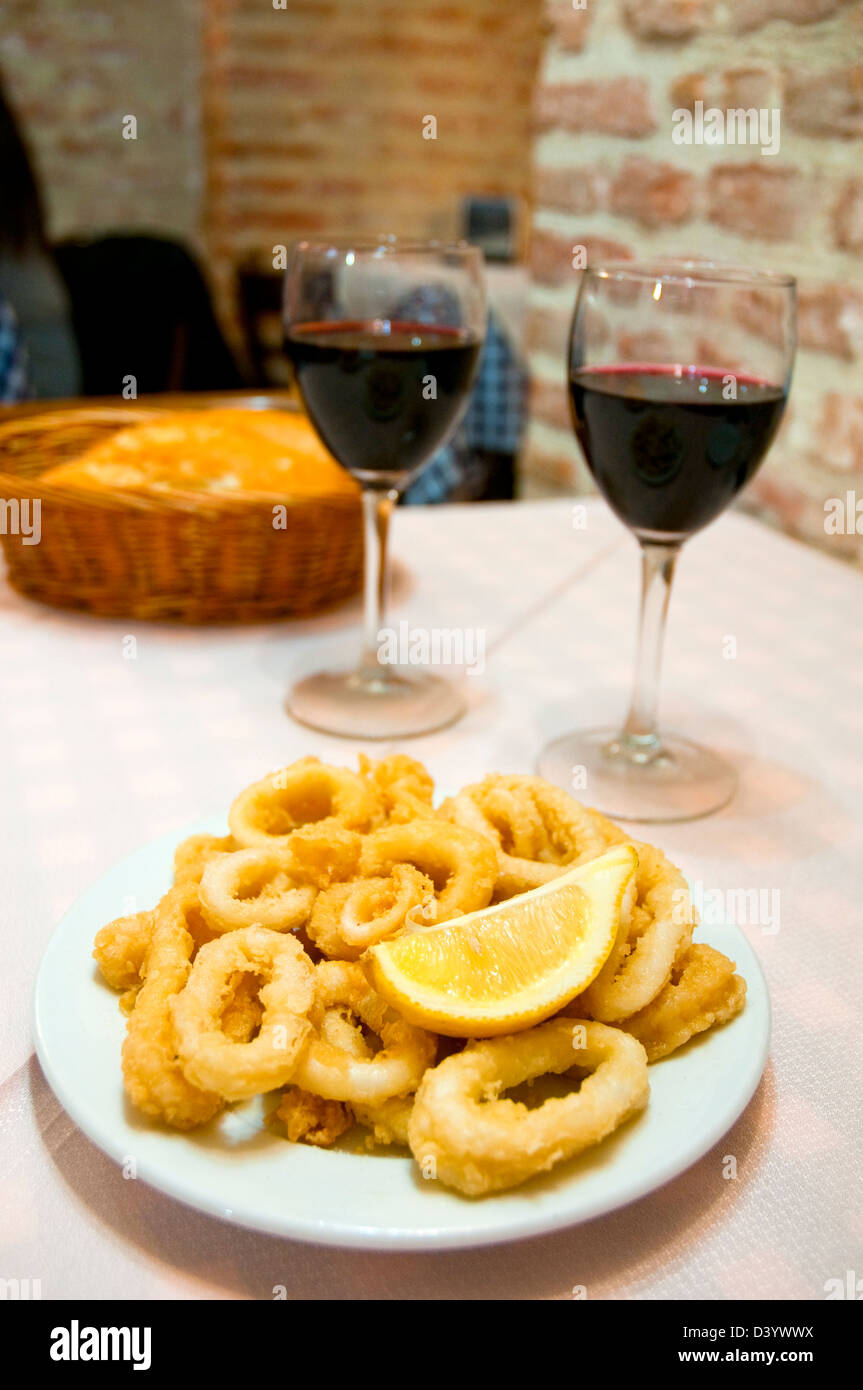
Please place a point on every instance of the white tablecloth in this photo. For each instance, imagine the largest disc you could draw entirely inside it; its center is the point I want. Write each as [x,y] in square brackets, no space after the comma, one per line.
[102,752]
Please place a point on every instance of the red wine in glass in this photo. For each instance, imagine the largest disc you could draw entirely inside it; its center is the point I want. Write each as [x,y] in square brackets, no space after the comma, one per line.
[383,396]
[671,440]
[670,447]
[384,335]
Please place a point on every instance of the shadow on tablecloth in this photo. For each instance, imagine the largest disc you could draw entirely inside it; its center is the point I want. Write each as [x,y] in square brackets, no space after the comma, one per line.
[621,1255]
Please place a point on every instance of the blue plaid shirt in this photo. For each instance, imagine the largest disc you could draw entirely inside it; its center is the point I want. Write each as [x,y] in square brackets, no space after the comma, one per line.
[14,376]
[494,421]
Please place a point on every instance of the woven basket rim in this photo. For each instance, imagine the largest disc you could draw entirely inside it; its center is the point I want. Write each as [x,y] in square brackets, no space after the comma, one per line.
[78,414]
[176,500]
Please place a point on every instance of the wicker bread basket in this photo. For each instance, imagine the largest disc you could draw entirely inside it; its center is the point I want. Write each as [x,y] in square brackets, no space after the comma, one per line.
[190,557]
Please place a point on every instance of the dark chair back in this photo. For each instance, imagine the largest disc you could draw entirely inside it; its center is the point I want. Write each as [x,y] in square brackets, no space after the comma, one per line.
[141,307]
[259,292]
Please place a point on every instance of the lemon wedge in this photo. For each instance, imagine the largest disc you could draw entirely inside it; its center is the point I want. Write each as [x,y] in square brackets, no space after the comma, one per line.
[507,967]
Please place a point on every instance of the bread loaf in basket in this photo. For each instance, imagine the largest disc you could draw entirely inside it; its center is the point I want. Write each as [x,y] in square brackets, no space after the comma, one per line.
[208,547]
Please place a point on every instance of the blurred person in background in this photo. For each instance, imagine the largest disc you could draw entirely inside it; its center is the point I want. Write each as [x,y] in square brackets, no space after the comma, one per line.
[29,278]
[479,462]
[15,382]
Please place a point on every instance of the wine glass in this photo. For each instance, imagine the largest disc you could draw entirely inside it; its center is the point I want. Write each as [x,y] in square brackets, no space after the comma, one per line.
[678,374]
[384,337]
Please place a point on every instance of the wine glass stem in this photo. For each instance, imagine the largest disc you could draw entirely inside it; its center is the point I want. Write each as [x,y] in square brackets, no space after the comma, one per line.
[377,510]
[640,732]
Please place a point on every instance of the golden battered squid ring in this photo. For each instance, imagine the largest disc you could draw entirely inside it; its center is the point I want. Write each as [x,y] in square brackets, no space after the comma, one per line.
[209,1057]
[656,927]
[388,1122]
[323,854]
[310,1119]
[703,990]
[242,1015]
[403,786]
[349,917]
[316,1121]
[537,829]
[306,792]
[338,1063]
[152,1076]
[185,898]
[463,1134]
[121,947]
[252,887]
[461,864]
[193,855]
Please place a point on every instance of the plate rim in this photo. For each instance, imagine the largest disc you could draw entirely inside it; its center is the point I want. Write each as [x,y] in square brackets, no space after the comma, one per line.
[333,1233]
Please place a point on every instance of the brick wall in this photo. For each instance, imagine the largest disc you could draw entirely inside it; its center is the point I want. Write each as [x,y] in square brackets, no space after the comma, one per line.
[73,71]
[314,115]
[607,176]
[257,124]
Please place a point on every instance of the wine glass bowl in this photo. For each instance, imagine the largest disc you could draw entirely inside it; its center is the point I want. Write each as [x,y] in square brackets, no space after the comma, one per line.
[679,374]
[367,388]
[384,338]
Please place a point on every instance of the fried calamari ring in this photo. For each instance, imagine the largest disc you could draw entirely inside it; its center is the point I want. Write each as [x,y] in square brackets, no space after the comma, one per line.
[152,1076]
[317,1121]
[349,917]
[461,1132]
[310,1119]
[338,1063]
[387,1123]
[120,949]
[613,833]
[656,927]
[323,854]
[276,886]
[252,887]
[537,829]
[703,990]
[185,898]
[403,786]
[209,1057]
[461,864]
[243,1011]
[193,855]
[306,792]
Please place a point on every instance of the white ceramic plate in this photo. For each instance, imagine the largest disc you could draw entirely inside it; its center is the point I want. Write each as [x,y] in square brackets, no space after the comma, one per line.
[235,1169]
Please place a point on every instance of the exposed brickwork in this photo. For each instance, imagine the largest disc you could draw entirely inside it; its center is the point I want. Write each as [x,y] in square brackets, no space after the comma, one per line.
[757,84]
[258,124]
[550,402]
[831,320]
[571,26]
[826,103]
[552,255]
[849,216]
[655,195]
[668,19]
[316,115]
[73,73]
[547,331]
[310,119]
[609,176]
[841,433]
[618,106]
[576,190]
[752,14]
[758,200]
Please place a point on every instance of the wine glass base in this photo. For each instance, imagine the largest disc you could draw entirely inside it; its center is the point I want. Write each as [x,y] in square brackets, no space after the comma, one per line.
[676,782]
[394,704]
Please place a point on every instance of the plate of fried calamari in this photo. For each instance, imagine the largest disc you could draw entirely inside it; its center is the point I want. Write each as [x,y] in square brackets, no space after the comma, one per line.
[362,1013]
